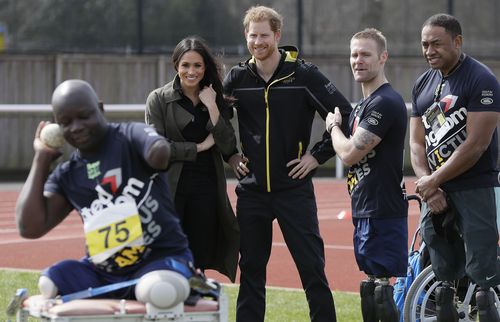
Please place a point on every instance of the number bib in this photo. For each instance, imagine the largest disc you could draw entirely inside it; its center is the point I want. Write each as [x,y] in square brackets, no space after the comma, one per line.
[110,230]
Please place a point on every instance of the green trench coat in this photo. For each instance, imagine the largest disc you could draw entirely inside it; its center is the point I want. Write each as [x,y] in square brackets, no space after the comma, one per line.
[169,118]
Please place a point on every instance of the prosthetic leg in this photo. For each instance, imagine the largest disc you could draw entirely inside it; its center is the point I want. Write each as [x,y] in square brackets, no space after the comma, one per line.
[384,300]
[47,288]
[445,303]
[368,307]
[162,289]
[485,300]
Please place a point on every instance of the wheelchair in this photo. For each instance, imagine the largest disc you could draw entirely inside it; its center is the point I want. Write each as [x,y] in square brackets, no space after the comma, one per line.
[420,300]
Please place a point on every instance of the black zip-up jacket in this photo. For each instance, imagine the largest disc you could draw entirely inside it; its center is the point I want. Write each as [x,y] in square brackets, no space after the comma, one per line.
[275,118]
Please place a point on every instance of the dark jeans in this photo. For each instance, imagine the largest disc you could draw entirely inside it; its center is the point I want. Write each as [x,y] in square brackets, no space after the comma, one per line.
[296,213]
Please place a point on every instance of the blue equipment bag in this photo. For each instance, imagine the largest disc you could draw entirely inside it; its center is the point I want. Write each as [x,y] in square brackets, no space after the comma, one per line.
[416,263]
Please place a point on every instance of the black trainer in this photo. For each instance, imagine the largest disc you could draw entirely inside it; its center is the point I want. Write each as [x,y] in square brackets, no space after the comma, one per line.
[485,300]
[445,304]
[387,310]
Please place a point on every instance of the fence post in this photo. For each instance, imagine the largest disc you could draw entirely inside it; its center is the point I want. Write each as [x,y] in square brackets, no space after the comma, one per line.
[162,71]
[339,168]
[58,70]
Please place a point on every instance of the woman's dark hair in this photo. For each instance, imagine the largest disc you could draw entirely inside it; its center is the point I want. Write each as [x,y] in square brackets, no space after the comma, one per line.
[213,69]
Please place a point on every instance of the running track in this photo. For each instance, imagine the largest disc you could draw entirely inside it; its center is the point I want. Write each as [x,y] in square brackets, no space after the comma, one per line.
[66,240]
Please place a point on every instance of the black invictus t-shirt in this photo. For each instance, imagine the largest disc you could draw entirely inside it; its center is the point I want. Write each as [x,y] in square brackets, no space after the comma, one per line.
[124,204]
[376,182]
[443,104]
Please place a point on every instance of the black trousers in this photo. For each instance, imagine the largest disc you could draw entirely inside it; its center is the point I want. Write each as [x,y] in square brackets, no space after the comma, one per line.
[296,213]
[196,205]
[475,252]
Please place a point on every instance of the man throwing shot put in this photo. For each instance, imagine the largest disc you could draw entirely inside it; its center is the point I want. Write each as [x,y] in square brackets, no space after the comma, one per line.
[114,180]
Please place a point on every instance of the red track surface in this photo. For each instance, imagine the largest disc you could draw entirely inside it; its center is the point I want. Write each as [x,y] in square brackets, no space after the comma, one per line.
[66,240]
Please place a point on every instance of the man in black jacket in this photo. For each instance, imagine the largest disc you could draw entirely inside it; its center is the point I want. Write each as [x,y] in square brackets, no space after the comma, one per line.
[276,98]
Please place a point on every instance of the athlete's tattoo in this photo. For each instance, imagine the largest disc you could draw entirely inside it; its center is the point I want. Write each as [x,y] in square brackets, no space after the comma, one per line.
[365,138]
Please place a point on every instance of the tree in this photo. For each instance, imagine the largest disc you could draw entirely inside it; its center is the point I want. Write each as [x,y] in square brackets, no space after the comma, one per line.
[105,25]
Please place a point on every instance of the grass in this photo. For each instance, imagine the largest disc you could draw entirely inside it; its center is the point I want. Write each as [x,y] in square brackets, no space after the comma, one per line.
[10,282]
[282,305]
[291,305]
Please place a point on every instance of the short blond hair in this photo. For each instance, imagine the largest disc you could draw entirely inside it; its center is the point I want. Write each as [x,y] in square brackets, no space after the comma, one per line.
[375,35]
[263,13]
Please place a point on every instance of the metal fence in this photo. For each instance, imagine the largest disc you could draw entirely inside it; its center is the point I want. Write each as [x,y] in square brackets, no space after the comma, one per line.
[118,79]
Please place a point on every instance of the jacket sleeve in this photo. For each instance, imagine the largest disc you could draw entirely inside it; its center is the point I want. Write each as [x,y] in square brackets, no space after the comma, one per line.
[153,115]
[182,151]
[324,96]
[179,151]
[224,136]
[228,84]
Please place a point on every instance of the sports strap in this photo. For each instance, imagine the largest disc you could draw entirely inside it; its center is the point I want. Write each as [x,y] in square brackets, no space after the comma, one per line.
[91,292]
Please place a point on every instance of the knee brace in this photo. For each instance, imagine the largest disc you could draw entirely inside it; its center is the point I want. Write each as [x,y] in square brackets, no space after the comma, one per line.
[368,307]
[47,287]
[387,310]
[163,289]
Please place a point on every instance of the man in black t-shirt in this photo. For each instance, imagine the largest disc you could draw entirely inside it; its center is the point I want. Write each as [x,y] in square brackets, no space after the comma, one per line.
[113,180]
[374,151]
[454,147]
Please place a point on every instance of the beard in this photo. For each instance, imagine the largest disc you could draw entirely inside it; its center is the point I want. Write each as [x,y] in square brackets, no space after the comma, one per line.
[264,54]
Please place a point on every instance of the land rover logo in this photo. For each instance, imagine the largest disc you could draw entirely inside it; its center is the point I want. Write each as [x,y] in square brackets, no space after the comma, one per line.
[486,100]
[372,121]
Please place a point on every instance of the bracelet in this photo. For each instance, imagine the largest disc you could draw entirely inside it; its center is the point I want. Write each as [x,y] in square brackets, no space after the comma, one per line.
[330,128]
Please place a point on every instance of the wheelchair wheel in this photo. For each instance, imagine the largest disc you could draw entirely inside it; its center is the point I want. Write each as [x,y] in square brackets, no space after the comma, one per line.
[420,302]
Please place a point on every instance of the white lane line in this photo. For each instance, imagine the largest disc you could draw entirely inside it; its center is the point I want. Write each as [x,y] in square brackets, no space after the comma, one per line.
[8,230]
[11,269]
[329,217]
[12,228]
[24,241]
